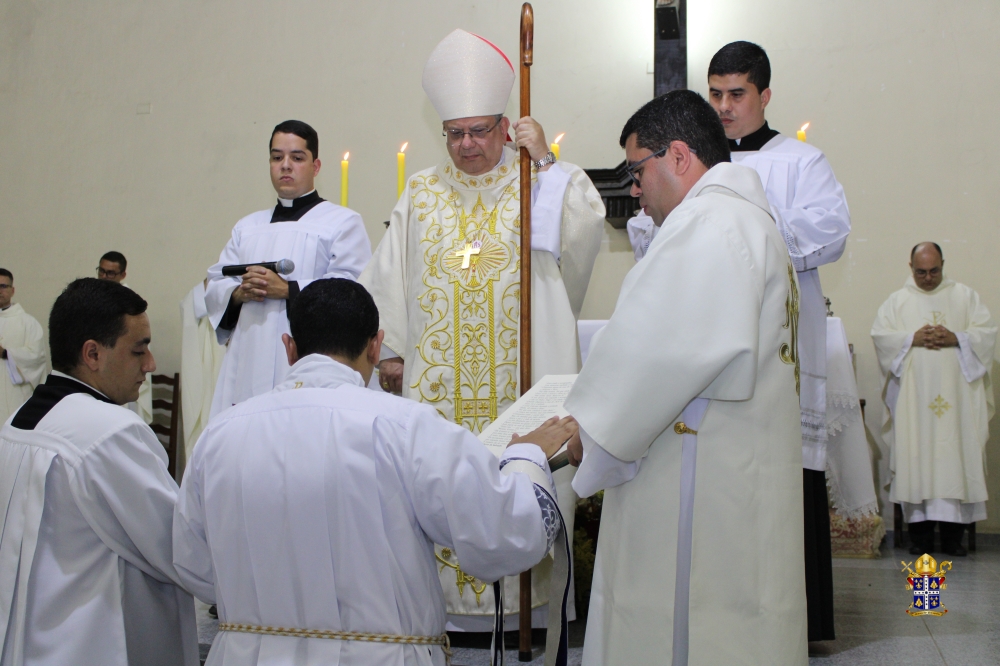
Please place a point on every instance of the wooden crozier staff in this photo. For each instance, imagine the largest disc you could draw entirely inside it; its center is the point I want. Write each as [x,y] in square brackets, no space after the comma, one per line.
[527,44]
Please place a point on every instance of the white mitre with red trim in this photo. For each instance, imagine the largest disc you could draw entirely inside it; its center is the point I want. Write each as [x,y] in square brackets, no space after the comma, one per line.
[467,76]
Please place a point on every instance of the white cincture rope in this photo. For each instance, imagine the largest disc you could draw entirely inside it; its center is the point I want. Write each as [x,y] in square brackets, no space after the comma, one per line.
[441,640]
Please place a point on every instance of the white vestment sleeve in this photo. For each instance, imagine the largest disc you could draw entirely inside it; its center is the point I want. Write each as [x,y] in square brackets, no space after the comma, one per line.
[15,376]
[641,232]
[600,470]
[493,522]
[192,556]
[351,251]
[220,288]
[123,489]
[897,363]
[28,363]
[546,210]
[711,355]
[972,369]
[816,225]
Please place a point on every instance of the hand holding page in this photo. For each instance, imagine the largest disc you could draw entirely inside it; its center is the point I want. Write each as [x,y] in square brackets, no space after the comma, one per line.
[543,401]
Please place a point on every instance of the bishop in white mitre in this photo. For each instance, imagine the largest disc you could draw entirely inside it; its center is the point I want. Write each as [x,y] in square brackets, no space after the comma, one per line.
[689,417]
[935,340]
[86,565]
[22,349]
[321,239]
[316,507]
[201,361]
[446,274]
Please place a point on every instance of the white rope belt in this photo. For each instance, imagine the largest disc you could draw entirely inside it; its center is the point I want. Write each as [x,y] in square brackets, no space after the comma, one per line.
[441,640]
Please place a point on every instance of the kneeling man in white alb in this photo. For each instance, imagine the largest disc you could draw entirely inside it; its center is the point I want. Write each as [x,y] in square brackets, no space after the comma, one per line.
[86,568]
[309,514]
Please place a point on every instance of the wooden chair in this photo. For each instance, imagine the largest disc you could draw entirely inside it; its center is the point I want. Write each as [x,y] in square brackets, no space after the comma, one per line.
[169,436]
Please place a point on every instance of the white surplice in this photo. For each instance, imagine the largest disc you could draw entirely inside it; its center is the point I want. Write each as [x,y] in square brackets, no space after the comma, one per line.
[26,364]
[811,212]
[201,361]
[849,465]
[328,241]
[431,301]
[700,558]
[317,506]
[86,564]
[938,402]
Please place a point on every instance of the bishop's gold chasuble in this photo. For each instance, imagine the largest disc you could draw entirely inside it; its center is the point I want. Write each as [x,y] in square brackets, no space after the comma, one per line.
[939,426]
[446,279]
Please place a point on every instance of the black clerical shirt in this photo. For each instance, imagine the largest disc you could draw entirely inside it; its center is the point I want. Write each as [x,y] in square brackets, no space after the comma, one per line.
[754,140]
[282,213]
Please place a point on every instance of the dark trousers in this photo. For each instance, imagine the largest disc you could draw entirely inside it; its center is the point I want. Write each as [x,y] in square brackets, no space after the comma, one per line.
[819,557]
[922,534]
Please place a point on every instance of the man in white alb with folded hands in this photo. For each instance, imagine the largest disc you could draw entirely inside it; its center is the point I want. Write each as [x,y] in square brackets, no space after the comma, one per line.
[314,509]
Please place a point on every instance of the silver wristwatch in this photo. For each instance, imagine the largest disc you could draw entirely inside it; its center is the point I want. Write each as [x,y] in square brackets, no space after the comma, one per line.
[550,158]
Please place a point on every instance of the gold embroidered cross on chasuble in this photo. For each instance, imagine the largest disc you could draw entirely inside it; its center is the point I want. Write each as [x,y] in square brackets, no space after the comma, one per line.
[466,355]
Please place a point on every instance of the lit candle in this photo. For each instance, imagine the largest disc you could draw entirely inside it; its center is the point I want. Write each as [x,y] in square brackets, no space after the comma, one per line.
[801,134]
[401,170]
[555,145]
[343,180]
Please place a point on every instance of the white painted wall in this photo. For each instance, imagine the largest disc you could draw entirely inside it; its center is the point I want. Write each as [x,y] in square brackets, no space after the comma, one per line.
[85,172]
[899,94]
[901,97]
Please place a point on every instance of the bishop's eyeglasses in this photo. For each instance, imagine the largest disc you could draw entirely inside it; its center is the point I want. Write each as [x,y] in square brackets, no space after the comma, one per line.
[456,135]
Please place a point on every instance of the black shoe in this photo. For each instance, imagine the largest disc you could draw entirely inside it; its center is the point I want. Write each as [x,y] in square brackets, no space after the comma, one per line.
[213,611]
[922,537]
[954,549]
[951,539]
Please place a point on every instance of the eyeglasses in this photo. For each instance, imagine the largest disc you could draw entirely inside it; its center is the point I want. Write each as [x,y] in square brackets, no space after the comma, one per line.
[633,169]
[456,135]
[6,286]
[101,273]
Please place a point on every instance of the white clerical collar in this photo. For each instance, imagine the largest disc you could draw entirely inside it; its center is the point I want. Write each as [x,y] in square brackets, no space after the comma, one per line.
[65,376]
[319,371]
[287,203]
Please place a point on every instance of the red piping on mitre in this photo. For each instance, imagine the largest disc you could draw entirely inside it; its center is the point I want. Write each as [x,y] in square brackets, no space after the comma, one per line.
[504,55]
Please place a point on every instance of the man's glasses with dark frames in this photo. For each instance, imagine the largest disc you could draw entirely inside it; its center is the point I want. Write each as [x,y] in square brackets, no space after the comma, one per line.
[108,274]
[633,169]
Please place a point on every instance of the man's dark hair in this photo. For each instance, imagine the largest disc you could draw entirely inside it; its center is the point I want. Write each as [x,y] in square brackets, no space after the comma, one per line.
[117,258]
[936,246]
[333,316]
[679,115]
[6,273]
[89,309]
[743,58]
[301,130]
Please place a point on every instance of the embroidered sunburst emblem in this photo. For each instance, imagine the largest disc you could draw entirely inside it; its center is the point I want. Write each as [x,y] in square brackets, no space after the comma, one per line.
[475,260]
[939,406]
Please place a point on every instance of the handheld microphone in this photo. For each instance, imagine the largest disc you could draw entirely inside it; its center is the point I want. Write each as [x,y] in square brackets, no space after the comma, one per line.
[281,267]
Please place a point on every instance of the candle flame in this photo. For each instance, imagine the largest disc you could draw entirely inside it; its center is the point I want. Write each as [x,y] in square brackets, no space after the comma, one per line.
[559,138]
[804,127]
[346,155]
[402,148]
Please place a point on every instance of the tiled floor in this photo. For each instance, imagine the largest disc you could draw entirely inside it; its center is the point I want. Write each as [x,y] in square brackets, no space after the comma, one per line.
[871,624]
